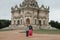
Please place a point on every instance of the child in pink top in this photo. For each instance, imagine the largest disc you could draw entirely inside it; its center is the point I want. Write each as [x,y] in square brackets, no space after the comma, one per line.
[30,32]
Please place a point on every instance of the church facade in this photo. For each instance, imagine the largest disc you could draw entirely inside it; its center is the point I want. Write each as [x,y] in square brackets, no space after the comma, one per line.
[29,13]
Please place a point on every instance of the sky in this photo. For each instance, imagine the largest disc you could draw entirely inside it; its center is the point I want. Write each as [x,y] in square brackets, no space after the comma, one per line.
[5,8]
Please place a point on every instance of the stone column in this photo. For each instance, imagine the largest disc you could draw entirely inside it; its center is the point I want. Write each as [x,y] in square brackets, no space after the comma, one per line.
[16,22]
[12,22]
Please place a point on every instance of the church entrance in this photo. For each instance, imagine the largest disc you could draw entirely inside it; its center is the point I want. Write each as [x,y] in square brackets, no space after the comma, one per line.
[27,21]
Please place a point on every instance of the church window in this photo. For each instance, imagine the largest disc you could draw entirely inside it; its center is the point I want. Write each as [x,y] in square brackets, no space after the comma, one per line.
[18,22]
[40,22]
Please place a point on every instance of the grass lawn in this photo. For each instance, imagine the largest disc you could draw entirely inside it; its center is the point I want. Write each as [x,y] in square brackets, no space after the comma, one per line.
[41,31]
[6,29]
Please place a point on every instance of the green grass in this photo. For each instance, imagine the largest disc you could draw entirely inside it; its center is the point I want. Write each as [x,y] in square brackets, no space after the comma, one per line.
[6,29]
[41,31]
[47,31]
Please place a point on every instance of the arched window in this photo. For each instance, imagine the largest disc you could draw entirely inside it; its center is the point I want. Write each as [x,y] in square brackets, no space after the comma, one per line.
[18,22]
[40,22]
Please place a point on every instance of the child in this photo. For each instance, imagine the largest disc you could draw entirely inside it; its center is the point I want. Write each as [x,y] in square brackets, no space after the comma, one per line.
[30,32]
[27,31]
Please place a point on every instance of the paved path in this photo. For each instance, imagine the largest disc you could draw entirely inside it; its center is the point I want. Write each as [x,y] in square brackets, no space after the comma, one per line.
[17,35]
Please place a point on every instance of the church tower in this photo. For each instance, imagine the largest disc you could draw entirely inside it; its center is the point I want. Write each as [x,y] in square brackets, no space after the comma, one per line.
[29,13]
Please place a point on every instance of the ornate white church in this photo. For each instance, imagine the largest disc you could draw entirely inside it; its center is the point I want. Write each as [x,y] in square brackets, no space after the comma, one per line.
[29,13]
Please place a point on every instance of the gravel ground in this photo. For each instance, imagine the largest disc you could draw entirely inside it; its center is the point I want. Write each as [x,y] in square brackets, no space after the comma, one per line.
[19,35]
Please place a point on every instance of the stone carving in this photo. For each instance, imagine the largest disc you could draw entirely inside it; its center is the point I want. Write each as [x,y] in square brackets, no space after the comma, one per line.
[41,14]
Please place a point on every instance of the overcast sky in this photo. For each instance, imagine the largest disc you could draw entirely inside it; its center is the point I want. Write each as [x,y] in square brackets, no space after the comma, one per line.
[5,8]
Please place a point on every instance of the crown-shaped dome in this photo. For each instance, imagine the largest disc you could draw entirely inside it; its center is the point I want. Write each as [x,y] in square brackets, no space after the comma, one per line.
[31,3]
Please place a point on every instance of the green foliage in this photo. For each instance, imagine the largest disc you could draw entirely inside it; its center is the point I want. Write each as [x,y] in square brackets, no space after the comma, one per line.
[4,23]
[55,24]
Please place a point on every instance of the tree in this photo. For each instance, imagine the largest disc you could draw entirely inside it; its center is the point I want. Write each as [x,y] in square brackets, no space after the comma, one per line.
[4,23]
[55,24]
